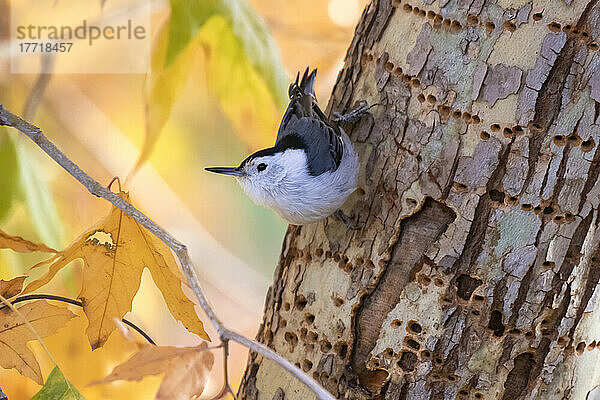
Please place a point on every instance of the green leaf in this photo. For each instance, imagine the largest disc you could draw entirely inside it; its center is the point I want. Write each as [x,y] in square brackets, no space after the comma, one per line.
[244,68]
[9,174]
[188,17]
[243,95]
[57,387]
[35,194]
[20,180]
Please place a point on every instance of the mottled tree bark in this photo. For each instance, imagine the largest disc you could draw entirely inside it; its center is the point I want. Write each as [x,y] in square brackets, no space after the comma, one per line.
[475,271]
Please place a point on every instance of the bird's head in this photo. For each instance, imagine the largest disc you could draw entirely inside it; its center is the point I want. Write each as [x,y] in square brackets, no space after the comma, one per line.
[268,175]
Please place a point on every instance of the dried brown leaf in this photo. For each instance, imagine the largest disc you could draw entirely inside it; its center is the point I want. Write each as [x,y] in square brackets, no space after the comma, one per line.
[186,370]
[12,287]
[115,252]
[17,243]
[14,335]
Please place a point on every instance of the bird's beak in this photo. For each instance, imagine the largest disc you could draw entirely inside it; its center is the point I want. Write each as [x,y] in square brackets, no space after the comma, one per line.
[226,171]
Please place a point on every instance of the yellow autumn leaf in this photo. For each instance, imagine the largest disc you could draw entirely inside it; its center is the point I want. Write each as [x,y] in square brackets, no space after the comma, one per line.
[14,335]
[115,252]
[186,370]
[17,243]
[163,86]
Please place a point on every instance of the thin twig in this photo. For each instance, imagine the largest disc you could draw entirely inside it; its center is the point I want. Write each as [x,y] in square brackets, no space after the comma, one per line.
[226,383]
[180,250]
[226,388]
[2,395]
[78,303]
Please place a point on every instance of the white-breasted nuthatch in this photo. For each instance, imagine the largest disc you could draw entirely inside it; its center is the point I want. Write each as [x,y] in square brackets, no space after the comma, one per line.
[312,168]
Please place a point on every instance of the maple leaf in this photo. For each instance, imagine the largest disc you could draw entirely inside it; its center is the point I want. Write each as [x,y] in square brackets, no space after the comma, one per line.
[115,252]
[186,369]
[17,243]
[14,334]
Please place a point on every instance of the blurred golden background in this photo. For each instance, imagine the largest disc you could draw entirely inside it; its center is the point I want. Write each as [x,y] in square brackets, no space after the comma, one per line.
[223,111]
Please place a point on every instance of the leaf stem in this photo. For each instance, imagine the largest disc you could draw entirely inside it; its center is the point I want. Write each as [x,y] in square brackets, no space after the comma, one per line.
[138,330]
[78,303]
[31,328]
[116,178]
[94,187]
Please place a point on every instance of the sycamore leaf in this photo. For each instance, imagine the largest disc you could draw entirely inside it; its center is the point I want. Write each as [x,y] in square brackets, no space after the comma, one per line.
[243,64]
[12,288]
[186,370]
[115,252]
[17,243]
[14,335]
[58,387]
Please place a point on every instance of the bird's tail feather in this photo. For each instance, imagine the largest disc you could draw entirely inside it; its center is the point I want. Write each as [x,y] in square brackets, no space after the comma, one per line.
[304,87]
[307,85]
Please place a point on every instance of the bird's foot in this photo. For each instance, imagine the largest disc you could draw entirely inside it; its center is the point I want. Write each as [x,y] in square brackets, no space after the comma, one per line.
[350,222]
[353,115]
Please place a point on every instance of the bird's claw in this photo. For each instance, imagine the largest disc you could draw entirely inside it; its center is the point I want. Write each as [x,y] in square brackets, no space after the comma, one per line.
[353,115]
[347,221]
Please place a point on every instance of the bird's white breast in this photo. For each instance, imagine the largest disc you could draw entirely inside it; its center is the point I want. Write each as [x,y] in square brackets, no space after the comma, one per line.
[300,198]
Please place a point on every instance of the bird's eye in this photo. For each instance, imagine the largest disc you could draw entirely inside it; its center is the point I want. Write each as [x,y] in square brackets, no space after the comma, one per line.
[261,167]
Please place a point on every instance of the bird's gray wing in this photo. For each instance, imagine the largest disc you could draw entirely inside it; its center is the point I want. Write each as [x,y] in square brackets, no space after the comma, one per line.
[323,146]
[320,138]
[302,97]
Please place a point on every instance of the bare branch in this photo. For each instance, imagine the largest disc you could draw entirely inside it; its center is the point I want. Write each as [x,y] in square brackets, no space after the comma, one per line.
[226,388]
[34,133]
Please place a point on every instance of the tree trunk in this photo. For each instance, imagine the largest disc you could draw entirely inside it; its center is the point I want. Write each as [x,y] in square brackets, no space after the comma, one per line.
[474,274]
